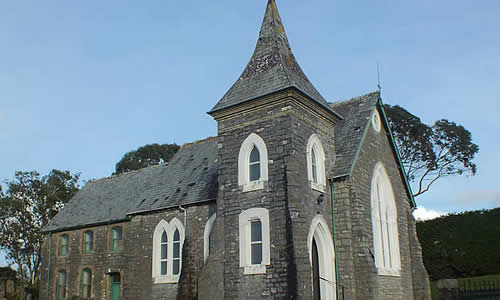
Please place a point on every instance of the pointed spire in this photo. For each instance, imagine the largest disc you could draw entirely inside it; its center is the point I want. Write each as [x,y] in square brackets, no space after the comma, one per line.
[272,67]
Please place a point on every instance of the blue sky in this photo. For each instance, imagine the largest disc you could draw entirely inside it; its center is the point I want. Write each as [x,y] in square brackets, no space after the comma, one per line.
[83,82]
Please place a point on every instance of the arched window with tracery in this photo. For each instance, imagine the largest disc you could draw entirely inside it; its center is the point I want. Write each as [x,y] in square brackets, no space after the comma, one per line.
[385,224]
[168,239]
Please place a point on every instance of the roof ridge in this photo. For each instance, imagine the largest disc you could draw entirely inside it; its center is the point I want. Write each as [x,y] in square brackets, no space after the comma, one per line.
[210,138]
[352,99]
[127,173]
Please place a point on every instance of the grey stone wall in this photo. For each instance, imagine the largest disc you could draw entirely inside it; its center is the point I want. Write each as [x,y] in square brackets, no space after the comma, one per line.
[285,127]
[367,284]
[134,262]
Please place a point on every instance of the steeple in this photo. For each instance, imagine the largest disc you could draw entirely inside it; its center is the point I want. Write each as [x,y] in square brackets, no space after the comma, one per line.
[272,67]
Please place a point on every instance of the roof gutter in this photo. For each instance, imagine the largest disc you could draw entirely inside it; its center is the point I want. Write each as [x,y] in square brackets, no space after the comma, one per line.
[85,226]
[326,107]
[167,207]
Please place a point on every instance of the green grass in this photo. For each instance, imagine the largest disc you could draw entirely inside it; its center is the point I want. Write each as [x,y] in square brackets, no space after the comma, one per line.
[435,291]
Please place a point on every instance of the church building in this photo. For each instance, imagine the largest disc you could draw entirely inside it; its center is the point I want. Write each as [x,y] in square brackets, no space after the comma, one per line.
[295,198]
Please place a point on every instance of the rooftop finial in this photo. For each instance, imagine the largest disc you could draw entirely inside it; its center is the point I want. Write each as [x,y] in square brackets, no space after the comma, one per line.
[272,67]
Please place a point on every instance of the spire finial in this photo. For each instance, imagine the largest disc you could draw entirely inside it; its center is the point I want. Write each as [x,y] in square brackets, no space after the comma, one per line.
[272,68]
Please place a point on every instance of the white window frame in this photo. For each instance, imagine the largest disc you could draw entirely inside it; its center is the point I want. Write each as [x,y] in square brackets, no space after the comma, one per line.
[156,268]
[206,237]
[245,220]
[384,224]
[253,140]
[315,143]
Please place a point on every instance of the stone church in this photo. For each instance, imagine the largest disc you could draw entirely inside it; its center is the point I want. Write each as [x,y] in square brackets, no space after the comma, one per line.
[295,198]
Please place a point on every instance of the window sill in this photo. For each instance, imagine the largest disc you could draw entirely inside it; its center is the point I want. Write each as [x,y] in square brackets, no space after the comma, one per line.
[253,186]
[167,279]
[389,272]
[318,187]
[253,270]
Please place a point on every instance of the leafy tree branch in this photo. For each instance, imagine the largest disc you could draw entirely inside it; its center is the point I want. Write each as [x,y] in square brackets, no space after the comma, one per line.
[430,153]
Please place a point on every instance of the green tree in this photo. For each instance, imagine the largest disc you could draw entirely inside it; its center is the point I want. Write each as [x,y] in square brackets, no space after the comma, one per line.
[430,153]
[146,156]
[26,205]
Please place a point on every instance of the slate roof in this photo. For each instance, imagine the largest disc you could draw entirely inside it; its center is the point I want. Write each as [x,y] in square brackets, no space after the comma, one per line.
[272,68]
[350,131]
[190,177]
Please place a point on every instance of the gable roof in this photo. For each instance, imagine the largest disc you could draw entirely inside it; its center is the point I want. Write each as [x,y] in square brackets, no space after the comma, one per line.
[272,68]
[190,177]
[350,134]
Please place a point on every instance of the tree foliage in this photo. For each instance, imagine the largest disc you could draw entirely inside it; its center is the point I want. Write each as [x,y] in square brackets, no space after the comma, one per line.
[461,245]
[430,153]
[26,205]
[146,156]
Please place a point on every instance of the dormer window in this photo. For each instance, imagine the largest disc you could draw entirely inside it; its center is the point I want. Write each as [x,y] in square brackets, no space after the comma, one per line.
[316,164]
[252,163]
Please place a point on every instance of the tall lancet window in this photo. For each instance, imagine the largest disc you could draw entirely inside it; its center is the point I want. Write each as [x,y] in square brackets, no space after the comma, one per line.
[177,253]
[385,224]
[254,164]
[315,156]
[164,251]
[314,165]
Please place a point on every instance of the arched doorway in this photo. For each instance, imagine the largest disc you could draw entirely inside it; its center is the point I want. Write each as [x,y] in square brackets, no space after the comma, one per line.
[322,259]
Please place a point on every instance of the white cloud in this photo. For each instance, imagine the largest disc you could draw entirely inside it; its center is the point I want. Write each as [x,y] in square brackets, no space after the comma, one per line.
[423,214]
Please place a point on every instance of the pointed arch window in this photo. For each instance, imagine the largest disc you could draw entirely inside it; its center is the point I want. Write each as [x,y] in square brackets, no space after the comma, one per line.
[168,240]
[315,156]
[314,166]
[177,253]
[384,223]
[164,251]
[252,163]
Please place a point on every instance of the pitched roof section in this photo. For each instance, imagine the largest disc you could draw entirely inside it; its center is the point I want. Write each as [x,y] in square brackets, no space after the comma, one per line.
[350,132]
[190,177]
[272,67]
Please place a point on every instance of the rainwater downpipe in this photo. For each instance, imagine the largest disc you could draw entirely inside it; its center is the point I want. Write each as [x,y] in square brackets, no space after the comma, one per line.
[185,215]
[330,180]
[48,268]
